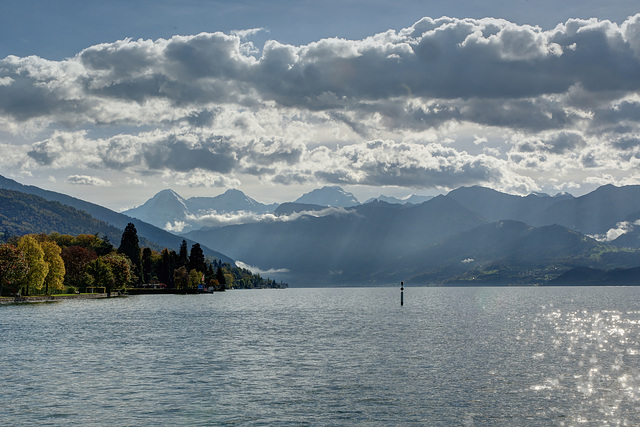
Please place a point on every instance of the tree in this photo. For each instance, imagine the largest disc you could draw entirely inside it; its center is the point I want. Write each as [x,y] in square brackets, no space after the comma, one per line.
[195,278]
[104,247]
[147,265]
[121,269]
[101,274]
[38,268]
[220,277]
[181,277]
[228,280]
[76,259]
[55,275]
[62,240]
[196,259]
[167,264]
[13,267]
[183,258]
[130,246]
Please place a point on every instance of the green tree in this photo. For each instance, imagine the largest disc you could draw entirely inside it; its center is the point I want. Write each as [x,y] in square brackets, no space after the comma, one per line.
[130,246]
[13,267]
[181,277]
[63,240]
[76,259]
[55,275]
[228,281]
[195,278]
[101,274]
[38,268]
[121,269]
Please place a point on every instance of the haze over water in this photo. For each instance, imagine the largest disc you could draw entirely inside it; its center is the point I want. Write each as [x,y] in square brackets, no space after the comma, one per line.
[449,356]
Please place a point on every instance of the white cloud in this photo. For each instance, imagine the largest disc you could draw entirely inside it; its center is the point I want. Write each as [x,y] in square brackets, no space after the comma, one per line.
[217,219]
[175,226]
[87,180]
[256,270]
[443,103]
[612,234]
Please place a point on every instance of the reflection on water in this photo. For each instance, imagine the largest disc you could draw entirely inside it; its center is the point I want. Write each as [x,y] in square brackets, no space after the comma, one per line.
[449,356]
[593,362]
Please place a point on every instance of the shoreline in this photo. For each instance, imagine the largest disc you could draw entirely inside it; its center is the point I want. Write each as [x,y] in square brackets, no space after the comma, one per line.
[48,298]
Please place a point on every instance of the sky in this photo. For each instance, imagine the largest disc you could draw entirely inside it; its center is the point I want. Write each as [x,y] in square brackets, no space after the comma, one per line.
[114,101]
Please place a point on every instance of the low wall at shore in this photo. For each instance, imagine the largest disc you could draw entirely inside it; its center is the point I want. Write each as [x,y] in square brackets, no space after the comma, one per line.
[45,298]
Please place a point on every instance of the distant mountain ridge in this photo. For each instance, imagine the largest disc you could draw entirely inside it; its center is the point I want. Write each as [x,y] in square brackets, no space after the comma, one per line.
[495,206]
[329,195]
[413,199]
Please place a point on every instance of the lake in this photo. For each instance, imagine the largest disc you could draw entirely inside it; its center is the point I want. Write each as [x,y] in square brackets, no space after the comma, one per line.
[328,356]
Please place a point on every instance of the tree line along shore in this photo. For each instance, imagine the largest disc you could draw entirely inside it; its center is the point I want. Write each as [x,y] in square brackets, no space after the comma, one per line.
[41,264]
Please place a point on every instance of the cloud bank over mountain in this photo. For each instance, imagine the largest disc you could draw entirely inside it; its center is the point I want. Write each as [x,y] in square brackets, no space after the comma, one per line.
[444,103]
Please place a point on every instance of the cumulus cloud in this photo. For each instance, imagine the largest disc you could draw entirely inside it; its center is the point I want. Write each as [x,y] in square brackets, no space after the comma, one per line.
[176,226]
[621,228]
[404,164]
[442,58]
[87,180]
[398,108]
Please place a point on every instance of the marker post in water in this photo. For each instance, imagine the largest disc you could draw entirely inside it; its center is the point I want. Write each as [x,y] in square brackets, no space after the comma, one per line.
[401,293]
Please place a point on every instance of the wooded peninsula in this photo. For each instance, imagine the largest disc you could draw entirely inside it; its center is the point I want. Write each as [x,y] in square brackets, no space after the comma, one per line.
[41,264]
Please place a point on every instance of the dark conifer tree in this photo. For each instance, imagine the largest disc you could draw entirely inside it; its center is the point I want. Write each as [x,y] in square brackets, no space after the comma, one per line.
[220,276]
[210,271]
[168,262]
[183,257]
[147,265]
[130,246]
[196,259]
[105,247]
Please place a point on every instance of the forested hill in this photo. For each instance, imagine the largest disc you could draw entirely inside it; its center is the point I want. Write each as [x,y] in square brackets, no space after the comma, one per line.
[145,231]
[22,214]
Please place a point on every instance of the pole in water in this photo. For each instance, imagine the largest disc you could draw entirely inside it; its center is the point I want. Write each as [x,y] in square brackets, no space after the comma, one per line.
[401,293]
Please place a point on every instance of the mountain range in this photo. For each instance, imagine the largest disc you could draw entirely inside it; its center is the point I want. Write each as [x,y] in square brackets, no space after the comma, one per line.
[472,235]
[455,238]
[170,211]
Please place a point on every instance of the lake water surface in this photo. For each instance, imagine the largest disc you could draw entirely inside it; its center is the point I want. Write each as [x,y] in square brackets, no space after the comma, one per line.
[331,356]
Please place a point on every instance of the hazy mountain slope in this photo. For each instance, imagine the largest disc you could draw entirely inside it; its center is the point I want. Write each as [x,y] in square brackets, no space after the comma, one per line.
[581,276]
[230,201]
[413,199]
[593,213]
[164,208]
[495,206]
[512,250]
[120,221]
[347,247]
